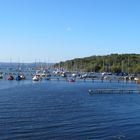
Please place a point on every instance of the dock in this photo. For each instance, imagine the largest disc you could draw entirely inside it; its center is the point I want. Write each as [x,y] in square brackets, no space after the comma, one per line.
[100,91]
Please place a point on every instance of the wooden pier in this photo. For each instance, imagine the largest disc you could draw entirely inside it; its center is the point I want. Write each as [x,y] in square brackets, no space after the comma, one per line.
[99,91]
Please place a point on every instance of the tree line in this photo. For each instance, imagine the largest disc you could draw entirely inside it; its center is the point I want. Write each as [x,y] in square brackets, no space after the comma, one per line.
[116,63]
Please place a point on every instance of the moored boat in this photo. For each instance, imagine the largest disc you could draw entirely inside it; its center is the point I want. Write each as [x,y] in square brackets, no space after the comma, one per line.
[18,78]
[137,80]
[10,77]
[71,80]
[35,78]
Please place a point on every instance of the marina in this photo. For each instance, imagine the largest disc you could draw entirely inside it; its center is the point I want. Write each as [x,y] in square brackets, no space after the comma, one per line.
[69,70]
[56,104]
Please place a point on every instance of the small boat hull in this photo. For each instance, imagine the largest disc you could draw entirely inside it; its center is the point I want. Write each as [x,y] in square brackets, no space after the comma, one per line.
[10,77]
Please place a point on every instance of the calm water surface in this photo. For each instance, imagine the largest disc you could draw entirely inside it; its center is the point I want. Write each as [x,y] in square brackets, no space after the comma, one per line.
[58,110]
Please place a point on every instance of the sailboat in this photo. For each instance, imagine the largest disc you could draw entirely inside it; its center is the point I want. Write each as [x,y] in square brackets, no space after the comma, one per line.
[35,78]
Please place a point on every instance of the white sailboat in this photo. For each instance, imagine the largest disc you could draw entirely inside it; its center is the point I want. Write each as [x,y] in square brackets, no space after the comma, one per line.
[35,78]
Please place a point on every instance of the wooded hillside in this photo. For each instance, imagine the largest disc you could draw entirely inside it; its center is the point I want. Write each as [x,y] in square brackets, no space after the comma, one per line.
[116,63]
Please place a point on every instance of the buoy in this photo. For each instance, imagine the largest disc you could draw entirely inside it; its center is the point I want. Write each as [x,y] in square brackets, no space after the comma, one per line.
[90,91]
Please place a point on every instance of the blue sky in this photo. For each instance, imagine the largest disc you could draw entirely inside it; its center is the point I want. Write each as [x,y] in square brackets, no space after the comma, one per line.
[58,30]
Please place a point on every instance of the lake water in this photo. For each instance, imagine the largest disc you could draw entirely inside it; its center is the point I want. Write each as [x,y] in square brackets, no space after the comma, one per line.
[59,110]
